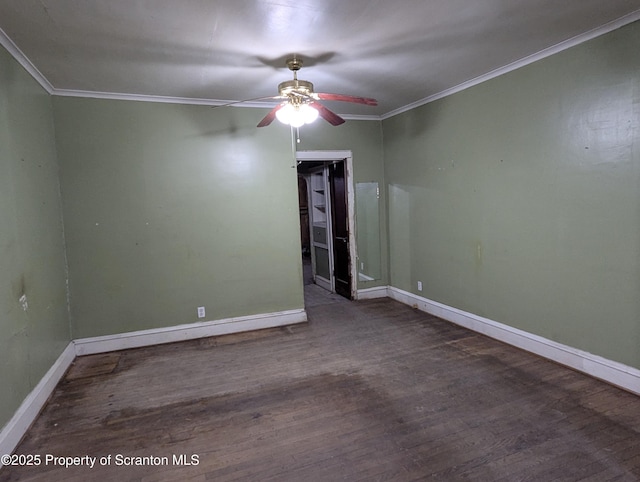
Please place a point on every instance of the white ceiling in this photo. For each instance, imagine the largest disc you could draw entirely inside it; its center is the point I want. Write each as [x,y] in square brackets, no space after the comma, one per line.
[401,52]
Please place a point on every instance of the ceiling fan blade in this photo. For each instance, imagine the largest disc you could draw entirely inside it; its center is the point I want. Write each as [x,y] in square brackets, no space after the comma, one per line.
[268,119]
[331,117]
[348,98]
[235,102]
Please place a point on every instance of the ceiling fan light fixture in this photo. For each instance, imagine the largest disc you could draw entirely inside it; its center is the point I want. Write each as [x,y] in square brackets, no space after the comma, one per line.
[296,115]
[301,104]
[310,114]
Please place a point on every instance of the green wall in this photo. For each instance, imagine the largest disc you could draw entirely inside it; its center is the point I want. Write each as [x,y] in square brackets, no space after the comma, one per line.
[364,140]
[31,239]
[171,207]
[519,199]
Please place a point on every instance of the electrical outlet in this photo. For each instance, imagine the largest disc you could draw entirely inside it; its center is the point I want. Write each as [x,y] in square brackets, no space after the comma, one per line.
[419,285]
[200,311]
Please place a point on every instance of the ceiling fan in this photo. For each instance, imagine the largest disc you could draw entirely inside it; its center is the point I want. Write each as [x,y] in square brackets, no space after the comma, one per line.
[300,103]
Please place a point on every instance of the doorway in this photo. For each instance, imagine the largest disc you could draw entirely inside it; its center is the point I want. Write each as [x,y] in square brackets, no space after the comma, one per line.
[328,211]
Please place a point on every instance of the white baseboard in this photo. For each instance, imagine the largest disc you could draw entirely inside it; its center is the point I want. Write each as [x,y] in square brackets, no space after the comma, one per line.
[157,336]
[14,430]
[371,293]
[615,373]
[610,371]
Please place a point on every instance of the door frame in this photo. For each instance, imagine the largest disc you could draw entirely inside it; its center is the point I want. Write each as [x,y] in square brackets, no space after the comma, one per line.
[347,156]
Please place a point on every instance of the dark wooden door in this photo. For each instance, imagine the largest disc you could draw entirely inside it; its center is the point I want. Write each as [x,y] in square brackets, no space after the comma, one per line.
[340,228]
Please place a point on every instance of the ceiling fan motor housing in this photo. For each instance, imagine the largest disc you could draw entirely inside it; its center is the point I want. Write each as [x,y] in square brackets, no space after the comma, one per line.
[300,87]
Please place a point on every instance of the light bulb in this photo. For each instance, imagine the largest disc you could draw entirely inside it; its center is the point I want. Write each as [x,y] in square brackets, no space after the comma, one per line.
[310,114]
[285,113]
[296,115]
[297,119]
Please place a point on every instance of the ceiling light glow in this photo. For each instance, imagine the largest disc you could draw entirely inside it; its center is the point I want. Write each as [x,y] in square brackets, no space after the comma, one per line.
[296,115]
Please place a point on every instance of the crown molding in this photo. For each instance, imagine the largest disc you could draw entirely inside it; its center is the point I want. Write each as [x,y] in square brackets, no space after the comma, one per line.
[22,59]
[159,98]
[185,100]
[361,117]
[564,45]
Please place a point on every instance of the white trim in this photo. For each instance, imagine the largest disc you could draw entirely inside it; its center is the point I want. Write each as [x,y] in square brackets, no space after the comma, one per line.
[347,156]
[351,225]
[89,94]
[329,155]
[13,432]
[618,374]
[161,99]
[615,373]
[554,49]
[22,59]
[359,117]
[15,429]
[371,293]
[157,336]
[7,43]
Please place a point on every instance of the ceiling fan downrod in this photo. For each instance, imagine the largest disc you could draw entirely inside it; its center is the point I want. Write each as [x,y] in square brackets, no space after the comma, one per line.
[295,86]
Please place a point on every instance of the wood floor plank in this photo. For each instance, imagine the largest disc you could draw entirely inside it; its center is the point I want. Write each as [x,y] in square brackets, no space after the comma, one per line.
[371,390]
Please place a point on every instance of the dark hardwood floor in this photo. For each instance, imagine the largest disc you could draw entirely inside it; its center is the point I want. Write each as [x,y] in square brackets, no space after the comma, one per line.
[370,391]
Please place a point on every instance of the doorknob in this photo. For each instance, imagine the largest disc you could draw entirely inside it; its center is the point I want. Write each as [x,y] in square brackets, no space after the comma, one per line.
[341,239]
